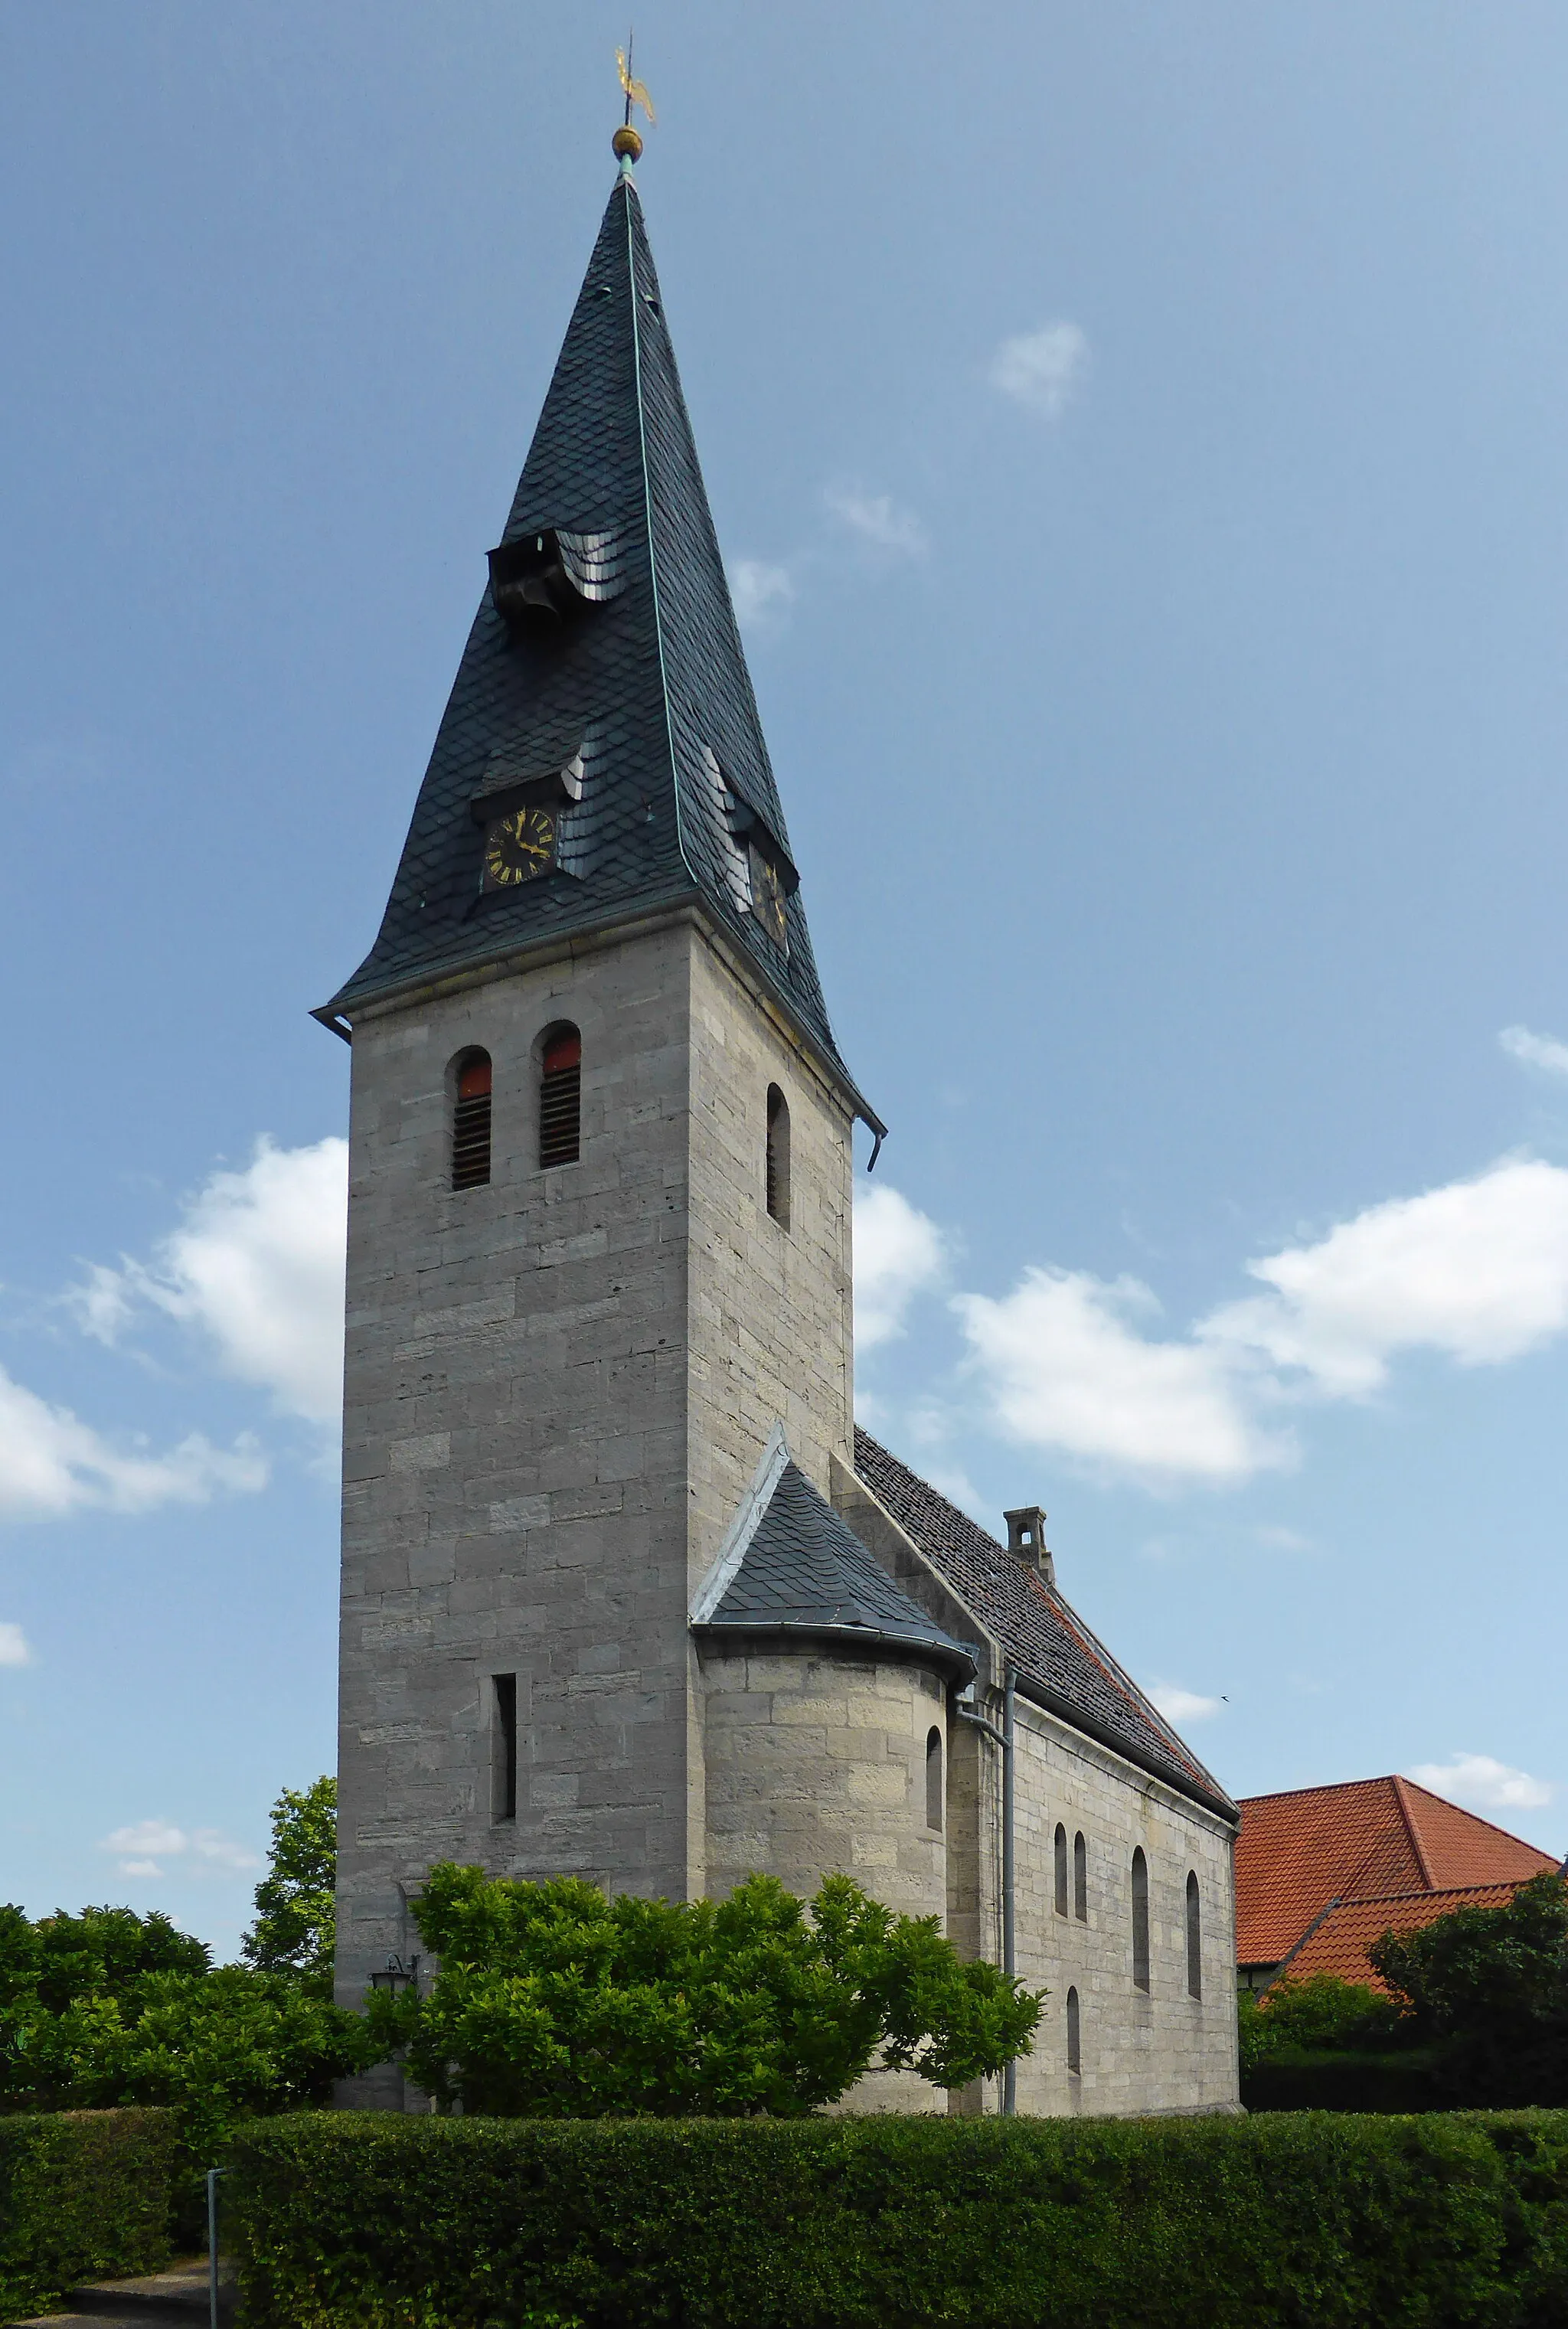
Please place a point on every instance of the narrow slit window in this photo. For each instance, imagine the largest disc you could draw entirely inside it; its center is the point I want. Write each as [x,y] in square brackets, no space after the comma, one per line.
[560,1097]
[471,1122]
[778,1166]
[1081,1878]
[1059,1871]
[1074,2035]
[1194,1939]
[1139,1918]
[935,1792]
[504,1747]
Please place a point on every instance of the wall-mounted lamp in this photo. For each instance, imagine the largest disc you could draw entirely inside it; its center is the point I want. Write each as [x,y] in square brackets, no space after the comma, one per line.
[395,1975]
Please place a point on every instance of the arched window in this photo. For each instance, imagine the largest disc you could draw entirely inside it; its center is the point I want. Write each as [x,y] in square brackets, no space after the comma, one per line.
[471,1121]
[560,1097]
[935,1792]
[1139,1918]
[1081,1878]
[1194,1939]
[1060,1869]
[1074,2035]
[778,1166]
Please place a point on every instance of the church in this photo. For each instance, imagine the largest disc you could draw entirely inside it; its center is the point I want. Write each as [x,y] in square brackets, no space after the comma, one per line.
[626,1594]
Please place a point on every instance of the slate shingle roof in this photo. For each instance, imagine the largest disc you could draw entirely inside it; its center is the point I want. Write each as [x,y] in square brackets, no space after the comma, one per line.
[1060,1663]
[1298,1851]
[650,685]
[804,1571]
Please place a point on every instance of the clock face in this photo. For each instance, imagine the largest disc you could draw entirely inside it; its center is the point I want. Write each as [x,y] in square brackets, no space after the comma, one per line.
[519,846]
[768,899]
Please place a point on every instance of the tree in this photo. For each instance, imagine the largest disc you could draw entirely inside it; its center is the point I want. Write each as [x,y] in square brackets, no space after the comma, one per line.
[102,1952]
[554,2002]
[295,1912]
[1489,1987]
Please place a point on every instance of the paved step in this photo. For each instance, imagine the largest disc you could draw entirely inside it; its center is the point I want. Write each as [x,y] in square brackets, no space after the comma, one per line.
[174,2299]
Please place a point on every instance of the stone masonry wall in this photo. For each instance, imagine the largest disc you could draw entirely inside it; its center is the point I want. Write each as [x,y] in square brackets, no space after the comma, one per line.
[514,1474]
[1155,2050]
[817,1766]
[770,1306]
[557,1390]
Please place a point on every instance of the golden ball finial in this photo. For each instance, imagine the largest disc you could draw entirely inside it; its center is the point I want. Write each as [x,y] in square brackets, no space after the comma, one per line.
[627,145]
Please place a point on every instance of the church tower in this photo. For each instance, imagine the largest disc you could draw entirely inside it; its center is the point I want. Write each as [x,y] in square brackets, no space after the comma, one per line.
[599,1254]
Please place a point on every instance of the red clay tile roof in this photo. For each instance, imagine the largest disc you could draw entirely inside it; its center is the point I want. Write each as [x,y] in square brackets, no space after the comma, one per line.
[1367,1838]
[1340,1943]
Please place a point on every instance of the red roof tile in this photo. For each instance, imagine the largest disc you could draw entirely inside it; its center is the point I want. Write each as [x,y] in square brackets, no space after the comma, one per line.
[1341,1941]
[1366,1838]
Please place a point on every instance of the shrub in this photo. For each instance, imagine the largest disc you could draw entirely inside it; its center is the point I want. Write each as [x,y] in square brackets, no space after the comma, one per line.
[389,2222]
[554,2002]
[82,2193]
[1489,1988]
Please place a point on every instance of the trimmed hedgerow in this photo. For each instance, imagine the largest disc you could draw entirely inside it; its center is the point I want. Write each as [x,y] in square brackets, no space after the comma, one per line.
[1294,2079]
[82,2194]
[367,2221]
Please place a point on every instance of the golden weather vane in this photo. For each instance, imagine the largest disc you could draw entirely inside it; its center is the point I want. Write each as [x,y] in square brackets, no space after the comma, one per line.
[626,141]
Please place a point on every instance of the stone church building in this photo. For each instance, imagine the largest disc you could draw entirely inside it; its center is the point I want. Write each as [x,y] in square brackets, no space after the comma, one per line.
[625,1595]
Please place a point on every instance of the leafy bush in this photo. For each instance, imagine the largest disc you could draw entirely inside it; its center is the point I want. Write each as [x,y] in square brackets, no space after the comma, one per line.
[1488,1988]
[81,2195]
[391,2223]
[110,2008]
[102,1953]
[554,2002]
[1323,2012]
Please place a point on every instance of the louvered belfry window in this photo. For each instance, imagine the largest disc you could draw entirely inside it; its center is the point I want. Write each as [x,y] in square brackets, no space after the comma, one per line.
[776,1188]
[471,1122]
[560,1097]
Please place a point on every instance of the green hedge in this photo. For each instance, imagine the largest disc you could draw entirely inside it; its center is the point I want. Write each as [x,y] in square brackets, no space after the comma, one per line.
[367,2221]
[82,2194]
[1293,2079]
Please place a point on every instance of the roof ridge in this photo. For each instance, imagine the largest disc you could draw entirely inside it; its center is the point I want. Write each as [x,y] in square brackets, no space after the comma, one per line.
[1412,1828]
[1432,1892]
[1323,1788]
[627,188]
[1465,1812]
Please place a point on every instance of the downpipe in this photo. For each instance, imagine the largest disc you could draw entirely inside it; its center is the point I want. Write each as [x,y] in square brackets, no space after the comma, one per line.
[1004,1740]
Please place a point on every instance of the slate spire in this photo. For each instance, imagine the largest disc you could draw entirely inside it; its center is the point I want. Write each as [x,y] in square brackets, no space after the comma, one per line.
[605,646]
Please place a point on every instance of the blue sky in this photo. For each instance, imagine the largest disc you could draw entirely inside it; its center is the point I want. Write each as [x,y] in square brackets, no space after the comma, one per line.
[1137,436]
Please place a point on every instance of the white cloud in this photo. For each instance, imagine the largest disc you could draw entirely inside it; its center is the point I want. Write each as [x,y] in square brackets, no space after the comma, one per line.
[1483,1784]
[898,1254]
[148,1843]
[1042,370]
[1064,1363]
[877,521]
[762,593]
[15,1650]
[1543,1052]
[256,1267]
[52,1463]
[1179,1706]
[1477,1269]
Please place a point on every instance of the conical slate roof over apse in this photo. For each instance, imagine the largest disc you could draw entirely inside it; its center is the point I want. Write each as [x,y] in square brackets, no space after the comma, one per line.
[642,690]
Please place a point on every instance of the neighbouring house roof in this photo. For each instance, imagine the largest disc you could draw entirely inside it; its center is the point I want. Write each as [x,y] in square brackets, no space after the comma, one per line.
[643,692]
[1361,1839]
[805,1574]
[1060,1663]
[1339,1943]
